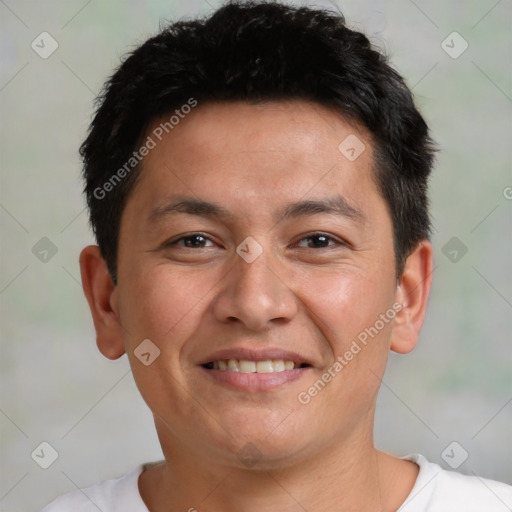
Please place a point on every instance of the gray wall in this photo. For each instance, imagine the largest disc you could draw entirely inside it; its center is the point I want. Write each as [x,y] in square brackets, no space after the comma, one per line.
[56,387]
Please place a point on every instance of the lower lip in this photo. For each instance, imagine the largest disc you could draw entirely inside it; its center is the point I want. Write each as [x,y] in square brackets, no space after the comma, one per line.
[253,382]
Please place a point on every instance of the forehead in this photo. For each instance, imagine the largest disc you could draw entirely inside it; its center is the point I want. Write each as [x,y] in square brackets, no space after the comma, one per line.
[258,154]
[298,130]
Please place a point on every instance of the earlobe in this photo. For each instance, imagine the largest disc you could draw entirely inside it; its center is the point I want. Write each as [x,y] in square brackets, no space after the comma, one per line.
[100,293]
[412,293]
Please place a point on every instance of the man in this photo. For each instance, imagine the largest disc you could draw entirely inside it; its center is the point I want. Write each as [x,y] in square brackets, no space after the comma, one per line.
[257,185]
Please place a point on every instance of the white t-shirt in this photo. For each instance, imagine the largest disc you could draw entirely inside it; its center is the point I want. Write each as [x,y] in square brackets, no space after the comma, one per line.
[435,490]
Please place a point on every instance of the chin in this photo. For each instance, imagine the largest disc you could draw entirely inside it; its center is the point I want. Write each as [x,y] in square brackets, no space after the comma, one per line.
[261,441]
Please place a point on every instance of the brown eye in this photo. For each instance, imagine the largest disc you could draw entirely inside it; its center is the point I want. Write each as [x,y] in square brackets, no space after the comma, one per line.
[195,241]
[318,241]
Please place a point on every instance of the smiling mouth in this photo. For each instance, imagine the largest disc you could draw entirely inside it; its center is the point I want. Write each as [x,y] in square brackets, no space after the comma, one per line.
[246,366]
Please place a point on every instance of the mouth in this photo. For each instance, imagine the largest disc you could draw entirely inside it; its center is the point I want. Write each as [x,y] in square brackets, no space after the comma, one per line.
[254,370]
[248,366]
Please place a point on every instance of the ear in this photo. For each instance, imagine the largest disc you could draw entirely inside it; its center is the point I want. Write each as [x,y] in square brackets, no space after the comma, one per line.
[101,294]
[412,293]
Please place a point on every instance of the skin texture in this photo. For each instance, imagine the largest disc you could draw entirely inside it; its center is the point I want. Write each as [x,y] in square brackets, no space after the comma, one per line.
[298,295]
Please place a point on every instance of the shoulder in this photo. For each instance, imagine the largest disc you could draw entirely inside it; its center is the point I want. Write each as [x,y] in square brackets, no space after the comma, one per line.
[115,495]
[438,490]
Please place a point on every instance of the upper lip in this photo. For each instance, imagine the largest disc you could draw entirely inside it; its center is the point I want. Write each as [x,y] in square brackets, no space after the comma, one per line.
[255,354]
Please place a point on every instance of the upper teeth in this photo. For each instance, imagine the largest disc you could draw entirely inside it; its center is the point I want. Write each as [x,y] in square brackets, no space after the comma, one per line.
[245,366]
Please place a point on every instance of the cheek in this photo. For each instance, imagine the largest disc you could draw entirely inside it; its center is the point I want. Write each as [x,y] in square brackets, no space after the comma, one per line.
[165,306]
[346,309]
[344,303]
[161,304]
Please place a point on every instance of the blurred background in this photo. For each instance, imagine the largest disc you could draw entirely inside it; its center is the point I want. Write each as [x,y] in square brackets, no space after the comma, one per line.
[456,387]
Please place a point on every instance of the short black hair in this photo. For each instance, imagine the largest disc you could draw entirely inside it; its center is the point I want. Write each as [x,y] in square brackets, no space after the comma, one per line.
[259,51]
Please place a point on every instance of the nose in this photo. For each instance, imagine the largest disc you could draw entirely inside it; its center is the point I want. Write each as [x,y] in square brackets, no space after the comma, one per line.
[255,294]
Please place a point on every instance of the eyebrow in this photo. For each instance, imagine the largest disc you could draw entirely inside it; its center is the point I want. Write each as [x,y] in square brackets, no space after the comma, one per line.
[334,205]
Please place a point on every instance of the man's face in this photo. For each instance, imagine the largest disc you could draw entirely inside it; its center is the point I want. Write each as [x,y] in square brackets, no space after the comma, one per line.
[193,281]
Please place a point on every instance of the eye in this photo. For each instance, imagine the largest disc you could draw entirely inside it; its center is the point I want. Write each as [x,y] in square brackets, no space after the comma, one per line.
[318,241]
[193,241]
